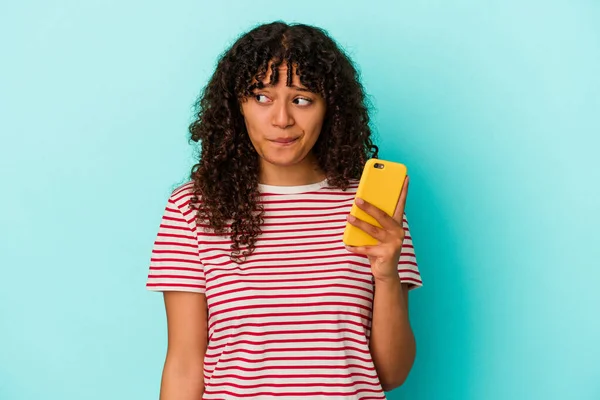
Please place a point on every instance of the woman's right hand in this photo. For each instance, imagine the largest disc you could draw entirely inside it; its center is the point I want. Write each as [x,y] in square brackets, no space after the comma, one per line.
[183,375]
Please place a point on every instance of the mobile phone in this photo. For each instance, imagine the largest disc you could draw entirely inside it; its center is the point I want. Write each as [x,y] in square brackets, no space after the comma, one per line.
[380,184]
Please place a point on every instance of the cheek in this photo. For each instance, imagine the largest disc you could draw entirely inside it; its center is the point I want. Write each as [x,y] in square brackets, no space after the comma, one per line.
[255,121]
[251,124]
[314,127]
[318,116]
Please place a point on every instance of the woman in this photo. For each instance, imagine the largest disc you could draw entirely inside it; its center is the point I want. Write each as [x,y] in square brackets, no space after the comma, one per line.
[262,298]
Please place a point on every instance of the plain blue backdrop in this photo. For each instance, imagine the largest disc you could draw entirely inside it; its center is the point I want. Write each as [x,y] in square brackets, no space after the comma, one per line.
[493,105]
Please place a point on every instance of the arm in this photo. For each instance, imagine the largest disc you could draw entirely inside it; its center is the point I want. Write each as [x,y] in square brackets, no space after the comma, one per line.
[392,344]
[183,377]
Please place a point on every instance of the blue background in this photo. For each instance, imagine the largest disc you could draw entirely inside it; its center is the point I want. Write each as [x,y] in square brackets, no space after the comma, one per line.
[493,105]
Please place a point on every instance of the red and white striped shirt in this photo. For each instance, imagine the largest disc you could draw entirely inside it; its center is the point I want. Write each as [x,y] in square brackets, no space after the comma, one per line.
[293,321]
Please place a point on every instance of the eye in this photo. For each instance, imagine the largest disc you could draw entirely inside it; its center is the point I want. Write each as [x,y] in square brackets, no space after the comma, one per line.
[302,101]
[261,98]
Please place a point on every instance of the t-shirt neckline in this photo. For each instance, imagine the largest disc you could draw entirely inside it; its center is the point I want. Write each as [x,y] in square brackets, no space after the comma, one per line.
[291,189]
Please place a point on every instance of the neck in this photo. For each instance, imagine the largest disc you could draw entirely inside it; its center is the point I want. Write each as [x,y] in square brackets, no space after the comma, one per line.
[305,173]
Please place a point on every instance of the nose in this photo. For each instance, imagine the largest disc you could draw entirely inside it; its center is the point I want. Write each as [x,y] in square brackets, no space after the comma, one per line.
[282,117]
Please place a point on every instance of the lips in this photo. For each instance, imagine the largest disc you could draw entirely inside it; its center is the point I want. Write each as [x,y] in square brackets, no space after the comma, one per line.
[284,140]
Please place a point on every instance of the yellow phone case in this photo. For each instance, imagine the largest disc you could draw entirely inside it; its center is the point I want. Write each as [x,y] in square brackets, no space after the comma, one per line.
[381,185]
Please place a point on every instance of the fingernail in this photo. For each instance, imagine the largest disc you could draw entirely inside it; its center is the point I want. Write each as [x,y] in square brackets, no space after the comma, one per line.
[351,218]
[359,201]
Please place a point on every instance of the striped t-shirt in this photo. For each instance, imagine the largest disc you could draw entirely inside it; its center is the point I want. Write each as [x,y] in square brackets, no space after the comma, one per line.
[293,320]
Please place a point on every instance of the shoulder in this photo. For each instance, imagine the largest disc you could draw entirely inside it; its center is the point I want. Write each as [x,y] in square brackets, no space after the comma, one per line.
[182,194]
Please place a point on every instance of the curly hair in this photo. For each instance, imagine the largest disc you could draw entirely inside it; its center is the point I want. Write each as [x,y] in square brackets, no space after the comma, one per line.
[226,175]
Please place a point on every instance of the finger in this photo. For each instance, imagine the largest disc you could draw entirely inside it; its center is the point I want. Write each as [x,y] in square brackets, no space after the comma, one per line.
[399,212]
[380,216]
[372,230]
[363,250]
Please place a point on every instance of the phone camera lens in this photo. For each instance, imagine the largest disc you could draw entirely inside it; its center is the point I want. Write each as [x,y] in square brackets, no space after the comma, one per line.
[378,165]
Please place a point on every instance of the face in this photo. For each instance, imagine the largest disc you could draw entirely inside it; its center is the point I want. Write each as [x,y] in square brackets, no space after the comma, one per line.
[284,122]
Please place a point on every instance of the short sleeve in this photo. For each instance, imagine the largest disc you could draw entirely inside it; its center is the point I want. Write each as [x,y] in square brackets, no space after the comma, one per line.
[408,268]
[175,262]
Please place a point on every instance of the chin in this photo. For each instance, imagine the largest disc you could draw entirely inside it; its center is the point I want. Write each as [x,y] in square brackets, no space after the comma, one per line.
[282,160]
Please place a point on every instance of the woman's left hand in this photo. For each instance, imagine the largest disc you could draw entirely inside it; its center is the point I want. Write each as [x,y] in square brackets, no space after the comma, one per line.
[385,255]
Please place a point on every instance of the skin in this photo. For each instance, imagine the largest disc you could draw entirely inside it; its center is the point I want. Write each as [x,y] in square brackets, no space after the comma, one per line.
[282,112]
[392,344]
[182,377]
[276,113]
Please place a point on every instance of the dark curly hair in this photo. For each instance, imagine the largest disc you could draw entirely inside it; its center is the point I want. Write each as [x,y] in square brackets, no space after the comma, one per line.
[226,176]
